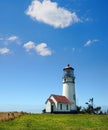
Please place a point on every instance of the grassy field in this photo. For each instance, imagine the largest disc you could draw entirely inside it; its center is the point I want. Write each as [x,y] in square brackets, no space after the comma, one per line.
[56,122]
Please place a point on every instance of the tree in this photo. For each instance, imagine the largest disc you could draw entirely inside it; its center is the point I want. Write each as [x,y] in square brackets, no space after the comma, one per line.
[90,107]
[44,111]
[97,110]
[79,109]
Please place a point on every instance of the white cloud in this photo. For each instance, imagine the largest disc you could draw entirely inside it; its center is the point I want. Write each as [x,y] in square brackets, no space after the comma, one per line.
[41,48]
[8,40]
[12,38]
[48,12]
[89,42]
[29,45]
[95,40]
[4,50]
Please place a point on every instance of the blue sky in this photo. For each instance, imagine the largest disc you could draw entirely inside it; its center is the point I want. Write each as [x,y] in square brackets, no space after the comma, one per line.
[39,38]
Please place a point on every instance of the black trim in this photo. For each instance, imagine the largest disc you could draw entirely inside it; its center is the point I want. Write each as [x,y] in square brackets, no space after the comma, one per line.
[68,82]
[64,112]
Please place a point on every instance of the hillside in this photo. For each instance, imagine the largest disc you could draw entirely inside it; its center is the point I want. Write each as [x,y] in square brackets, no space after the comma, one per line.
[56,122]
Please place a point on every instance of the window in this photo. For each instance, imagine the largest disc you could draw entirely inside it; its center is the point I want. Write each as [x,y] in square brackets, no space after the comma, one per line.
[74,96]
[60,106]
[67,106]
[64,80]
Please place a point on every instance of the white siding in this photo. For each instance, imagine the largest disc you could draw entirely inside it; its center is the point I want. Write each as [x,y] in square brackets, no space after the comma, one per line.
[48,107]
[64,107]
[69,92]
[55,103]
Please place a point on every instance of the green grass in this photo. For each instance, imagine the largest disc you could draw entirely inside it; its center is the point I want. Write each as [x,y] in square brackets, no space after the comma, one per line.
[57,122]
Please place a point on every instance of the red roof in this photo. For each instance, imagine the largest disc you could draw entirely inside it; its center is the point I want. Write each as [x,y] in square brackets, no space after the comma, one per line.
[61,99]
[51,101]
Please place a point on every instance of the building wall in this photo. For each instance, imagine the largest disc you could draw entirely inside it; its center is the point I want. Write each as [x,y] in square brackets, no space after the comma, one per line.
[64,107]
[48,107]
[69,92]
[57,107]
[55,103]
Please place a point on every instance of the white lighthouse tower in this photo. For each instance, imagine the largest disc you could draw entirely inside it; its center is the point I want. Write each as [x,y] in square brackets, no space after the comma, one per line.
[69,86]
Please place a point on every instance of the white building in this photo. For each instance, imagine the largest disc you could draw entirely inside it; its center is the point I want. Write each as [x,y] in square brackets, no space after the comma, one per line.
[57,103]
[66,102]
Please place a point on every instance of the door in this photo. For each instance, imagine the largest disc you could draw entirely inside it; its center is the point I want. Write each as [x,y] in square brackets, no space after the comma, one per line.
[52,108]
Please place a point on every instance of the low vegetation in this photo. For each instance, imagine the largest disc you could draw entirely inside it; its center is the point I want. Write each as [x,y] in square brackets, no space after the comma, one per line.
[57,122]
[90,109]
[6,116]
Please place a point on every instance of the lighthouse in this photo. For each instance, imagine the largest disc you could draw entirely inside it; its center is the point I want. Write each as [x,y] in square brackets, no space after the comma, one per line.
[68,81]
[65,103]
